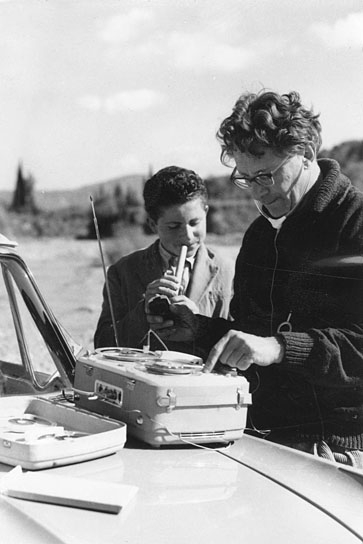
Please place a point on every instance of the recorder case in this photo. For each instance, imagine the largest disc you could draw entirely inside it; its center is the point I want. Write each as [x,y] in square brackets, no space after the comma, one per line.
[162,409]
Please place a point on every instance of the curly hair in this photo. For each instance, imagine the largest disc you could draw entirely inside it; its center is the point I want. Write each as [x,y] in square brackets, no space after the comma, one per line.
[170,186]
[268,120]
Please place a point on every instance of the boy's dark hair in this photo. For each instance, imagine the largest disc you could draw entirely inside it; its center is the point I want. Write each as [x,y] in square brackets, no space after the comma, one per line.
[171,186]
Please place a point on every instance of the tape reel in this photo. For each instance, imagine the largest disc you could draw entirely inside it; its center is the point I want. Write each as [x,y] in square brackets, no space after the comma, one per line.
[25,421]
[29,428]
[156,362]
[26,428]
[131,355]
[173,367]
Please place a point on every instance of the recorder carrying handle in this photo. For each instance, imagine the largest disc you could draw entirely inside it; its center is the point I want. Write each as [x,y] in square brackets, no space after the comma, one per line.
[170,399]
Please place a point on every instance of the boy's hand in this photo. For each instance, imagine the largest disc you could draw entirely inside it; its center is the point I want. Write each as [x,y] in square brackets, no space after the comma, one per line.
[167,285]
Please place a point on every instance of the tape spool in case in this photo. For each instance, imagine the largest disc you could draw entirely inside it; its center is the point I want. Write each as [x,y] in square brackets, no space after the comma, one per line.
[29,420]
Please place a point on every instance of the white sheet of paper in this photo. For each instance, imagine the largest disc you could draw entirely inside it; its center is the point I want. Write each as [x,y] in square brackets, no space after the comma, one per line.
[67,490]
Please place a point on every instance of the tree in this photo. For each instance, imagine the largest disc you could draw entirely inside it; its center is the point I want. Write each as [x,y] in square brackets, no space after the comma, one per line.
[24,198]
[350,157]
[106,215]
[119,200]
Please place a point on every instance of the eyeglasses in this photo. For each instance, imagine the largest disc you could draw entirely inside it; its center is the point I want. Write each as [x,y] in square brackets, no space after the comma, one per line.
[265,180]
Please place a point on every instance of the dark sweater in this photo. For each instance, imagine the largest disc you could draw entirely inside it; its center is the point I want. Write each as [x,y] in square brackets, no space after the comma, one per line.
[317,391]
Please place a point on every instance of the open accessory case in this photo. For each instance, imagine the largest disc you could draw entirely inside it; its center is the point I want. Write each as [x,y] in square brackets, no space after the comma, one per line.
[38,433]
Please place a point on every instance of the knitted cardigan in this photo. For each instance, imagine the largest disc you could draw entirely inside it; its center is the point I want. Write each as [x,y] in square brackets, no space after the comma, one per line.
[312,269]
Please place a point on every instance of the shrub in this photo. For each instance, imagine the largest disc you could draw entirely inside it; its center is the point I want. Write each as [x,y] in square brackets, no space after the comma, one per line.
[127,239]
[216,221]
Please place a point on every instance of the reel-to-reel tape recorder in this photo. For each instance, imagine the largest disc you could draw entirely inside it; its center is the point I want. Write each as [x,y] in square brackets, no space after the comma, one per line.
[163,397]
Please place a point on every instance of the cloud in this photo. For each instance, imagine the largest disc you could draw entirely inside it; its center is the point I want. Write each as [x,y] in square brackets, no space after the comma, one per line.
[90,102]
[137,100]
[146,36]
[125,27]
[347,32]
[130,163]
[203,52]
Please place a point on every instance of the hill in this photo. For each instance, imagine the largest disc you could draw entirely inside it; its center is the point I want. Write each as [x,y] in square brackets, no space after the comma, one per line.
[349,154]
[119,202]
[79,198]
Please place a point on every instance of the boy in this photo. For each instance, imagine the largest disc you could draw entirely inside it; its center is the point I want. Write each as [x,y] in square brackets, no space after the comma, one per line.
[176,204]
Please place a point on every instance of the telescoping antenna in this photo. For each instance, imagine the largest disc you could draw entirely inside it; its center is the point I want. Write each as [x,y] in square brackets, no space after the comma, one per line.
[104,272]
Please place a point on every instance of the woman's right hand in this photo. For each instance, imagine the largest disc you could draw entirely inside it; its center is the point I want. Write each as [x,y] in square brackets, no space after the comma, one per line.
[183,328]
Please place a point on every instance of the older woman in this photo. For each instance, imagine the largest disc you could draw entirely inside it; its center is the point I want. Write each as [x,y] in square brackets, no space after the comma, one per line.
[298,294]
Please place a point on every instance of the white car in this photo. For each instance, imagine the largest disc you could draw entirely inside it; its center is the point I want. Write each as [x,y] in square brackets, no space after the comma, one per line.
[248,491]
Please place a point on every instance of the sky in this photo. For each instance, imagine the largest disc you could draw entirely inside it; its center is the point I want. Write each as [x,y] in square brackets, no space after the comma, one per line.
[92,90]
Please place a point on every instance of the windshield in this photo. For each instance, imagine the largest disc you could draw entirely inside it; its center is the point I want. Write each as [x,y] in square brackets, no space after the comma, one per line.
[36,355]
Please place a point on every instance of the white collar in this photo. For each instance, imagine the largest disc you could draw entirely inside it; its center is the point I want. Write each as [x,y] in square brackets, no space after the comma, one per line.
[275,222]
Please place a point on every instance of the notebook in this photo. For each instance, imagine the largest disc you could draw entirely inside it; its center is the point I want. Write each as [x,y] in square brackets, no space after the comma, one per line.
[67,490]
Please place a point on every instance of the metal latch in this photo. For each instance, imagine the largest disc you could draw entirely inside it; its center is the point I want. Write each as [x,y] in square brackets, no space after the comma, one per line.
[243,398]
[168,402]
[88,369]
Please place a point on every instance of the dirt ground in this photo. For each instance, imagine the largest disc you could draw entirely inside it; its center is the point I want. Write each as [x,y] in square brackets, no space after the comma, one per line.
[70,277]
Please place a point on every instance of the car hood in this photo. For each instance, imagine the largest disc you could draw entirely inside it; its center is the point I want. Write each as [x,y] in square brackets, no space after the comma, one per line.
[251,491]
